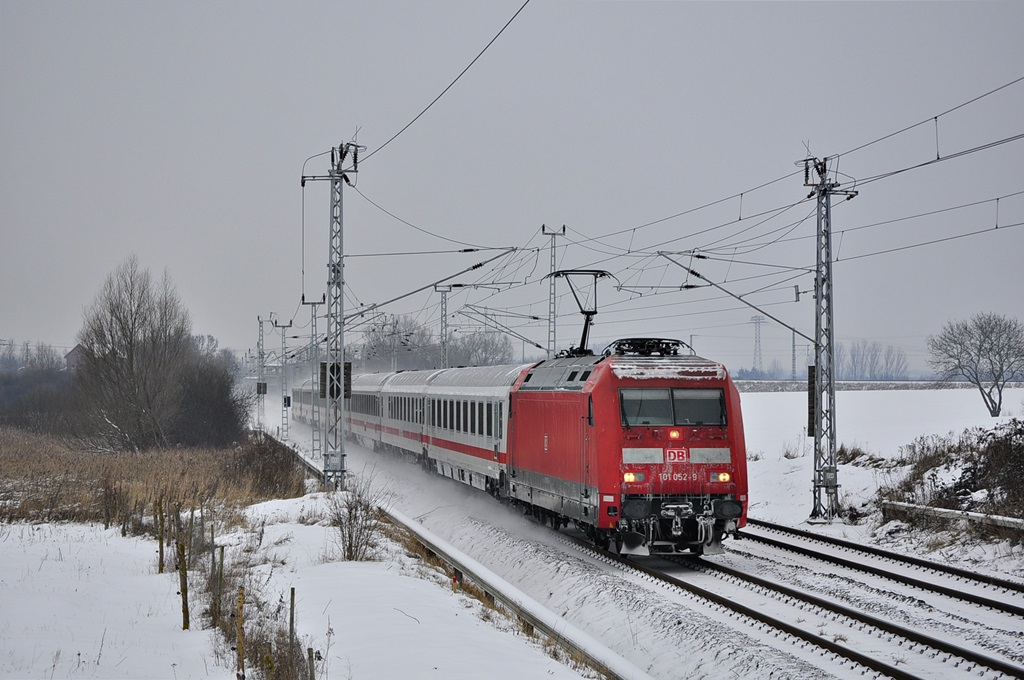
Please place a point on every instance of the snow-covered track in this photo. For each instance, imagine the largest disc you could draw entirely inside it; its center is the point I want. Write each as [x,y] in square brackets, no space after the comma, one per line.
[938,578]
[883,638]
[915,636]
[755,613]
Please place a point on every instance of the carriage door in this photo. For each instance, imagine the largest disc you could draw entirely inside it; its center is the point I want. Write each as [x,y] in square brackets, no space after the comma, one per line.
[585,426]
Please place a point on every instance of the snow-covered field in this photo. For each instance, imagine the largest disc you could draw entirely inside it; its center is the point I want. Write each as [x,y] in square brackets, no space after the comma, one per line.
[81,602]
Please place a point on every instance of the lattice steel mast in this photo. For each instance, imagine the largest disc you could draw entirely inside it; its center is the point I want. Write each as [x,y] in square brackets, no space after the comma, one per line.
[261,386]
[552,349]
[284,378]
[339,174]
[314,360]
[823,387]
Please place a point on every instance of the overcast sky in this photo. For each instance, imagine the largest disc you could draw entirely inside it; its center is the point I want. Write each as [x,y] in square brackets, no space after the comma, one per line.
[178,132]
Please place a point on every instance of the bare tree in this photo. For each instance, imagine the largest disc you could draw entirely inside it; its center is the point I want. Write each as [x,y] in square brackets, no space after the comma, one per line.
[865,360]
[400,342]
[839,361]
[137,337]
[987,350]
[206,345]
[894,364]
[8,359]
[480,349]
[868,360]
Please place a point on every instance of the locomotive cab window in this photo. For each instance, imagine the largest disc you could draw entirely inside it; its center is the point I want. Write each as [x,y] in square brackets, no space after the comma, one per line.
[653,406]
[646,406]
[699,407]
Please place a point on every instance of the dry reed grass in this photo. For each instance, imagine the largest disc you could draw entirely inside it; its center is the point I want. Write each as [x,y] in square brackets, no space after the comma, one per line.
[44,479]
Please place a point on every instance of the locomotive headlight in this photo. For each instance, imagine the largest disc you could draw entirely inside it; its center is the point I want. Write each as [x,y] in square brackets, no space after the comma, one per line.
[675,434]
[721,477]
[634,476]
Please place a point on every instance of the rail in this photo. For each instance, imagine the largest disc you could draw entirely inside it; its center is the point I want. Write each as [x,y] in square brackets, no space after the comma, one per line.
[878,552]
[863,658]
[755,613]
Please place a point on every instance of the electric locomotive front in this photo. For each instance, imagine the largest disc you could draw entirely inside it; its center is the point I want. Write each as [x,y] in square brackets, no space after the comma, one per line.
[671,453]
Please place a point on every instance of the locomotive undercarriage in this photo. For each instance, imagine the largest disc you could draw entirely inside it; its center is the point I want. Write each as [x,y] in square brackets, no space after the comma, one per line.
[666,525]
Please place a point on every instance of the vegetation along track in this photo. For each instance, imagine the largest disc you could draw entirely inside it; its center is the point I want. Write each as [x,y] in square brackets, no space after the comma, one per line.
[937,578]
[872,642]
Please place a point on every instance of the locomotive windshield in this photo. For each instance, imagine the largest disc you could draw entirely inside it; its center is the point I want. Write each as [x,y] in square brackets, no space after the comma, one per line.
[654,406]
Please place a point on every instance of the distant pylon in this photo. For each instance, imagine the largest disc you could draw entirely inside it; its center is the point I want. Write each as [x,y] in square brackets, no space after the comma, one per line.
[757,321]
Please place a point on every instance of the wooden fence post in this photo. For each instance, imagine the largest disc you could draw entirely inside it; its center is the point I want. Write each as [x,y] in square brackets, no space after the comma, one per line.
[240,634]
[182,571]
[291,625]
[160,530]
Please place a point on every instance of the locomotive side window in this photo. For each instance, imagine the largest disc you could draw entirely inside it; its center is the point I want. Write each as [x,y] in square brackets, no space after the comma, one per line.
[699,407]
[646,406]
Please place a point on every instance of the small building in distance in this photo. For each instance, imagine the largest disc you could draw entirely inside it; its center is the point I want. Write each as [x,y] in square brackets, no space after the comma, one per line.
[73,358]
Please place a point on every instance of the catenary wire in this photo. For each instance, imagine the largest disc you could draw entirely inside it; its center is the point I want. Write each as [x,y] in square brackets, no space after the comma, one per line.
[450,85]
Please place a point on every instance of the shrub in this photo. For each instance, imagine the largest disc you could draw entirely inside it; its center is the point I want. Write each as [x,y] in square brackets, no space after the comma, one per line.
[977,471]
[356,515]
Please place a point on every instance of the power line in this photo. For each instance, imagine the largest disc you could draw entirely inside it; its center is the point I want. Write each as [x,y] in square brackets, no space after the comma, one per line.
[425,252]
[933,161]
[410,224]
[905,218]
[929,120]
[933,242]
[462,73]
[862,146]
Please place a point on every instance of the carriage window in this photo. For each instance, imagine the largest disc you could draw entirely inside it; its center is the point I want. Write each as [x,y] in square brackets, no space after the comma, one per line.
[645,406]
[472,417]
[490,419]
[699,407]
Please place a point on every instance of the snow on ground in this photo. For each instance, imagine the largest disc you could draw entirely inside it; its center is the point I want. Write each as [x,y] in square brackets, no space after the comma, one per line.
[880,423]
[83,602]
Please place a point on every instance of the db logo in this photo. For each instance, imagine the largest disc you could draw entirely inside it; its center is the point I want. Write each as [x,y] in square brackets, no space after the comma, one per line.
[677,456]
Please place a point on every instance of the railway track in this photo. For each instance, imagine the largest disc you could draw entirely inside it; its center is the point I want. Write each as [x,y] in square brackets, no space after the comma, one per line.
[855,636]
[980,589]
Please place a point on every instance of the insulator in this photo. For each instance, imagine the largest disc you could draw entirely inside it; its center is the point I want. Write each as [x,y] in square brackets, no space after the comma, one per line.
[344,152]
[355,158]
[807,172]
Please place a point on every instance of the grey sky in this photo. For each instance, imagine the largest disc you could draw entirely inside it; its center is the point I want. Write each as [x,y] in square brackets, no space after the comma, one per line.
[178,131]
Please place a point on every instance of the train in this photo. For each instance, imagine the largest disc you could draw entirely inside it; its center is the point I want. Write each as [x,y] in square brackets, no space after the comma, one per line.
[640,447]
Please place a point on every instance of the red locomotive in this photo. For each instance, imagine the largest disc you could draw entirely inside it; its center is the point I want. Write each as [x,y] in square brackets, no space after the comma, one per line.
[641,447]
